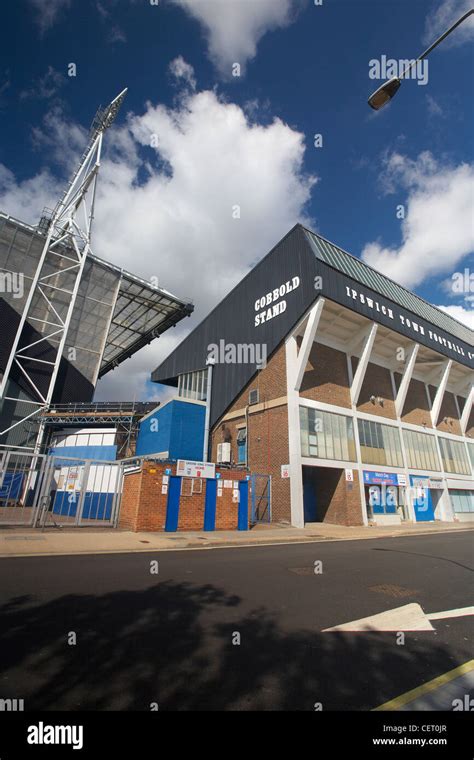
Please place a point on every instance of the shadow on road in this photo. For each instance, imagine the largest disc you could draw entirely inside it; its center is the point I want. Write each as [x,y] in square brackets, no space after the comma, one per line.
[172,644]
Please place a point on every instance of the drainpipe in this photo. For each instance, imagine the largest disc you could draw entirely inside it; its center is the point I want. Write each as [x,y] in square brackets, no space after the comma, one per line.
[205,451]
[247,436]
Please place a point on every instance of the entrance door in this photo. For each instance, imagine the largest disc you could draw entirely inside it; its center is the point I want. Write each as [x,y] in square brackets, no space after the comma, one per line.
[172,509]
[423,504]
[243,519]
[309,494]
[210,505]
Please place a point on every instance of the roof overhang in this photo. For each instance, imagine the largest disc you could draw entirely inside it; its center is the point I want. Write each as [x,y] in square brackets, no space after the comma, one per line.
[141,313]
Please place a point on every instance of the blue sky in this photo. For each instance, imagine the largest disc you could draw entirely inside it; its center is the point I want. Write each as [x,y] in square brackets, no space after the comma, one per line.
[247,140]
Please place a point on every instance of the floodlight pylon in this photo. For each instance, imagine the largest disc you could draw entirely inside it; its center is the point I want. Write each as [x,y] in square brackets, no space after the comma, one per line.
[55,285]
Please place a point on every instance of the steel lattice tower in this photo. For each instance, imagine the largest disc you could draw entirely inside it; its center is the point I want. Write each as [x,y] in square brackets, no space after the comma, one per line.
[58,275]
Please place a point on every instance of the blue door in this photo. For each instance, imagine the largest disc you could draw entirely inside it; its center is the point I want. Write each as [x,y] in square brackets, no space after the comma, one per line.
[243,521]
[422,503]
[309,495]
[210,505]
[172,508]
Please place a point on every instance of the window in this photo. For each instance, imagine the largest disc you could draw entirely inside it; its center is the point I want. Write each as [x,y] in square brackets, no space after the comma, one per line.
[454,456]
[470,448]
[421,451]
[325,435]
[242,446]
[462,501]
[193,385]
[380,444]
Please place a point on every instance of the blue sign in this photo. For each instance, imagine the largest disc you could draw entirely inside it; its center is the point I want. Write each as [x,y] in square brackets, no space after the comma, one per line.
[380,478]
[218,475]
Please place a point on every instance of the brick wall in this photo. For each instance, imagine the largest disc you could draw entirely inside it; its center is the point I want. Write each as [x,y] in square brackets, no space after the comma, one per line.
[449,411]
[130,500]
[143,506]
[191,510]
[338,502]
[267,434]
[268,440]
[377,382]
[326,378]
[416,409]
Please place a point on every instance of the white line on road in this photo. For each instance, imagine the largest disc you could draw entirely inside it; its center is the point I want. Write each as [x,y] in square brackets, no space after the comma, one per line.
[459,612]
[409,617]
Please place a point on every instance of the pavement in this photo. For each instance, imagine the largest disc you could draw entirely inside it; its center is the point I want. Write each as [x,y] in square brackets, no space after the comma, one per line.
[243,630]
[28,542]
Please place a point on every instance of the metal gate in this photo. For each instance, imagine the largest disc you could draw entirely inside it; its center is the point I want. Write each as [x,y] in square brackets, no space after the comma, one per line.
[261,486]
[44,490]
[21,478]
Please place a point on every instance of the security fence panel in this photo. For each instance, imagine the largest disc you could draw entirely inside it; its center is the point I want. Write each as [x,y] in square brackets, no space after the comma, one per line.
[21,478]
[51,490]
[81,492]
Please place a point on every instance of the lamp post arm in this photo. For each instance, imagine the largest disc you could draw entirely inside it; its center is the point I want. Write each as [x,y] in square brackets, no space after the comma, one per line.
[436,43]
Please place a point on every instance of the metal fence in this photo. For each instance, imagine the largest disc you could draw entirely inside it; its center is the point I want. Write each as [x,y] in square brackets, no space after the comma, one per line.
[41,490]
[261,488]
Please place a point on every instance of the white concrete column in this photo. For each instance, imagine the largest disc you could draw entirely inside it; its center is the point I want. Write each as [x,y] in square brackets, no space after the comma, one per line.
[359,466]
[294,439]
[362,365]
[467,410]
[308,340]
[438,399]
[406,378]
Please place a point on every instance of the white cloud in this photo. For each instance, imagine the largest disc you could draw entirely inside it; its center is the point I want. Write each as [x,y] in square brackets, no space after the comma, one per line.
[26,200]
[434,108]
[183,72]
[445,15]
[437,232]
[168,211]
[233,29]
[466,316]
[61,139]
[107,14]
[46,86]
[47,11]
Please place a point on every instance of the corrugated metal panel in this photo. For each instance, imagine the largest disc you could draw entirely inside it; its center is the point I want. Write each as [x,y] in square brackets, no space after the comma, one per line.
[364,274]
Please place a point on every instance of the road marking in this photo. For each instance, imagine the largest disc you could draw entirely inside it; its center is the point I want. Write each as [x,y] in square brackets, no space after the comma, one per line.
[409,617]
[459,612]
[425,688]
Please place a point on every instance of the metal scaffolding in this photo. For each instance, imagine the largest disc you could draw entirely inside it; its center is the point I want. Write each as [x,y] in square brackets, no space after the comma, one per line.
[124,415]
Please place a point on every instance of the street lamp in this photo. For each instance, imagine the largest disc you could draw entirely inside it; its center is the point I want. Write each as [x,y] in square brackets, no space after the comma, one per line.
[387,90]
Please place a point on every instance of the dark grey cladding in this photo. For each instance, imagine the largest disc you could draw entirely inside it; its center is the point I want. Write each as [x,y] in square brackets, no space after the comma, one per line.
[233,319]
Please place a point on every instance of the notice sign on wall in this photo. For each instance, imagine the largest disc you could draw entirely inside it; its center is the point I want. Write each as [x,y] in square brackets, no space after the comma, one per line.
[349,476]
[285,471]
[73,479]
[191,469]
